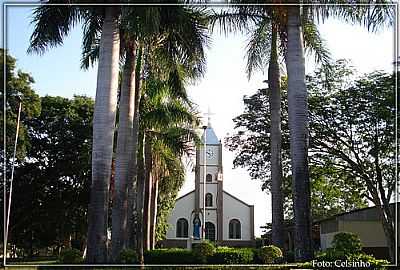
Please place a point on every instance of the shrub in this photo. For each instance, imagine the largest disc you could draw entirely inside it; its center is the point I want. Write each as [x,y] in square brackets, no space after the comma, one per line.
[203,250]
[70,255]
[270,254]
[348,243]
[128,256]
[374,263]
[169,256]
[227,255]
[347,247]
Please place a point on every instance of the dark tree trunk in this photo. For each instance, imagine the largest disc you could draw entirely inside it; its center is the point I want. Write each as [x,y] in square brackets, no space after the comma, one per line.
[276,138]
[140,199]
[147,194]
[130,237]
[154,204]
[124,155]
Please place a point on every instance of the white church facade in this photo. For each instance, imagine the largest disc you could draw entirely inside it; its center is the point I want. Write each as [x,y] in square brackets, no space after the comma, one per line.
[228,220]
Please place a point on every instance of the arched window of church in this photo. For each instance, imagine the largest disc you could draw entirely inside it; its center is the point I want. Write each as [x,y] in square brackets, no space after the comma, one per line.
[209,200]
[234,229]
[208,177]
[182,228]
[210,231]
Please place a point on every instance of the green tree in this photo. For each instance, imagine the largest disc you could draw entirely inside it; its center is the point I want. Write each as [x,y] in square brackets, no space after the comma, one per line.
[251,143]
[168,119]
[18,84]
[373,17]
[268,32]
[353,131]
[62,19]
[52,183]
[290,19]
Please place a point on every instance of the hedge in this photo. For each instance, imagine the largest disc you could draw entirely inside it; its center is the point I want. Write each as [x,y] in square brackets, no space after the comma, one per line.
[227,255]
[169,256]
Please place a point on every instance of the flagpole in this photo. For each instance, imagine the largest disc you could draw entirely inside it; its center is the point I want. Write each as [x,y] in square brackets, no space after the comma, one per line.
[12,178]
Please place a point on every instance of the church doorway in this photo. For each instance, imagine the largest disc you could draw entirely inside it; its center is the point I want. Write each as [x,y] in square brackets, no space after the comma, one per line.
[210,231]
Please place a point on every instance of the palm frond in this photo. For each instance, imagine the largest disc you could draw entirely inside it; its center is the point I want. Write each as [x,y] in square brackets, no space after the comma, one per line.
[315,44]
[258,48]
[51,25]
[185,36]
[91,40]
[372,14]
[238,20]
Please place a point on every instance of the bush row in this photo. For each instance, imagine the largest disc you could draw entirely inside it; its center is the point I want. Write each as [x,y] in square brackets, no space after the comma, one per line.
[221,255]
[206,253]
[203,253]
[227,255]
[169,256]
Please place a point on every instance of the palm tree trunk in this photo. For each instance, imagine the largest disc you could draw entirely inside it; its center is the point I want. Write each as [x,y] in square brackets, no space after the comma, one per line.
[124,154]
[276,138]
[103,136]
[147,193]
[298,126]
[153,221]
[130,239]
[140,199]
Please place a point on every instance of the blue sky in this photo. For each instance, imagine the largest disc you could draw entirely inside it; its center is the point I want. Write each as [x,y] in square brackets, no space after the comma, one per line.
[58,72]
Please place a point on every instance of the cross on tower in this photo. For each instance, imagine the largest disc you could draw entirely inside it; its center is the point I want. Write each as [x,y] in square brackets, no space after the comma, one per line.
[208,115]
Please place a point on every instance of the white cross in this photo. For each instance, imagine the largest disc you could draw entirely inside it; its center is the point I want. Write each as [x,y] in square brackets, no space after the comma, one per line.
[208,115]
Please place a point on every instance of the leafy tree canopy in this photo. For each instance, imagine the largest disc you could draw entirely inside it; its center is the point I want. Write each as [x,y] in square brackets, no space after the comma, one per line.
[51,186]
[18,83]
[330,184]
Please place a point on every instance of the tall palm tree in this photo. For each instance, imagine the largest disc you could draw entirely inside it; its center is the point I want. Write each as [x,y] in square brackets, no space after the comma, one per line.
[165,113]
[177,35]
[163,105]
[268,36]
[52,24]
[124,153]
[179,39]
[298,128]
[373,17]
[291,21]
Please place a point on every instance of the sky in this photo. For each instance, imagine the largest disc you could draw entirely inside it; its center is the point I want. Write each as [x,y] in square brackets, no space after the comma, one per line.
[57,72]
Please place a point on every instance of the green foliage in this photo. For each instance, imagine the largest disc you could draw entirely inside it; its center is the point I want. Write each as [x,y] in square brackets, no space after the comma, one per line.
[374,263]
[203,250]
[270,254]
[347,247]
[70,255]
[251,144]
[53,182]
[228,255]
[128,256]
[18,83]
[169,256]
[347,242]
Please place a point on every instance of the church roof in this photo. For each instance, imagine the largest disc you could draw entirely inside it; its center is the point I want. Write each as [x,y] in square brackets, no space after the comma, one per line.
[211,137]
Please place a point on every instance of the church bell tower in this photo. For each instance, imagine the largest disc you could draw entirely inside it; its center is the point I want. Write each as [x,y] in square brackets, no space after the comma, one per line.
[208,186]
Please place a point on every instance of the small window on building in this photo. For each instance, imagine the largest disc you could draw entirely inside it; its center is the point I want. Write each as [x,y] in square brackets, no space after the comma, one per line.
[182,228]
[234,229]
[208,178]
[209,200]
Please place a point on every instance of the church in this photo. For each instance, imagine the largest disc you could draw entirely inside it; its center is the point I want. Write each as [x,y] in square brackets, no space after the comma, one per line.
[228,220]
